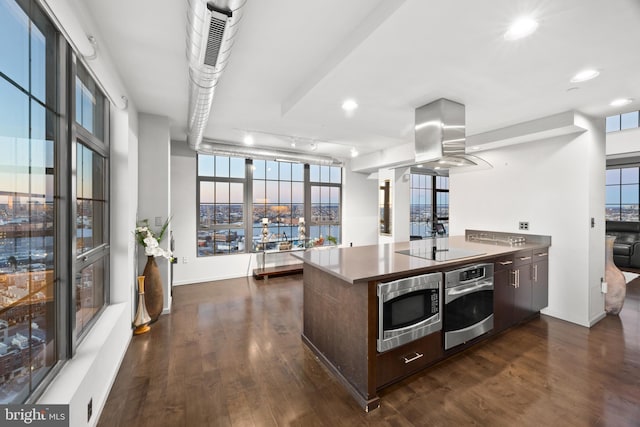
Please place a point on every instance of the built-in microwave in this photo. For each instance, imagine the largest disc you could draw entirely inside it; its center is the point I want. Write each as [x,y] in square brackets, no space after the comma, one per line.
[408,309]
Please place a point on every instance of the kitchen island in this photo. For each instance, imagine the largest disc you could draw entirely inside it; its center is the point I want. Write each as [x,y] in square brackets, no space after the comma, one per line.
[340,305]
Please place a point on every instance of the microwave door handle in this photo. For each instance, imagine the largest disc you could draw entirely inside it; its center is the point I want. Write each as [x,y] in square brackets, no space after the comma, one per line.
[454,291]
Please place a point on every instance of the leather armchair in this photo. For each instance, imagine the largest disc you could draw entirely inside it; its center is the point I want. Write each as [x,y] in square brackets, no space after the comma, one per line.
[626,247]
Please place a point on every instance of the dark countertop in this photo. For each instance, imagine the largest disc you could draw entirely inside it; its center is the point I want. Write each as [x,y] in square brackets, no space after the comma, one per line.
[382,262]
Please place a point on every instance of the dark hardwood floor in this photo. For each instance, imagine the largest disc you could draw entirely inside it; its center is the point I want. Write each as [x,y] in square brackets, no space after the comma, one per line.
[230,353]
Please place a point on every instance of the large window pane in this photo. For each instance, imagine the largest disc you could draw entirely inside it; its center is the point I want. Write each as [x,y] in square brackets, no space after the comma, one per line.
[613,176]
[89,103]
[629,194]
[613,123]
[612,212]
[272,170]
[421,214]
[38,64]
[629,120]
[612,194]
[28,305]
[297,172]
[222,166]
[90,199]
[89,293]
[221,210]
[629,212]
[14,112]
[205,165]
[629,176]
[236,167]
[622,194]
[14,42]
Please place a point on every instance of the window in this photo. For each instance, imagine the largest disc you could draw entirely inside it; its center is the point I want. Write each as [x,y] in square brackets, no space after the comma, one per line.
[44,311]
[442,204]
[278,195]
[429,205]
[629,120]
[221,205]
[325,184]
[235,195]
[420,209]
[622,194]
[29,117]
[613,123]
[91,239]
[91,202]
[623,121]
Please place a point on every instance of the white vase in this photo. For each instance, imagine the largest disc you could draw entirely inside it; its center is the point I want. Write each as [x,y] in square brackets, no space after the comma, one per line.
[616,283]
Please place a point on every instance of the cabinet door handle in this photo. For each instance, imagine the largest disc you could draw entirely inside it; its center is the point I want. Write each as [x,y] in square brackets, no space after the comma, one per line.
[415,356]
[515,278]
[541,254]
[505,262]
[535,273]
[524,258]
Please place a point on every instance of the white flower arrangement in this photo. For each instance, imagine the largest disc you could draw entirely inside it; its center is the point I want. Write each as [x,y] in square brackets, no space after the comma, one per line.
[151,241]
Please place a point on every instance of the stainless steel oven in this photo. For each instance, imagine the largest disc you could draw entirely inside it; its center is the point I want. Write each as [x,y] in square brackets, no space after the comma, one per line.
[468,303]
[408,309]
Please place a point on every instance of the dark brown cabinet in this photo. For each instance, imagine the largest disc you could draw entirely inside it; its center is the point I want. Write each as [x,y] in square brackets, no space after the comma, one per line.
[539,280]
[522,281]
[503,293]
[400,362]
[520,287]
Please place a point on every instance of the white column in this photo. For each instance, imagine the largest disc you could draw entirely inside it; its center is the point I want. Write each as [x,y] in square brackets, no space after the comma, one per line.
[154,195]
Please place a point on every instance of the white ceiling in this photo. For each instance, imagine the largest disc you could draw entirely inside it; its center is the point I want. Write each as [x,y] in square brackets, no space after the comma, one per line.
[293,63]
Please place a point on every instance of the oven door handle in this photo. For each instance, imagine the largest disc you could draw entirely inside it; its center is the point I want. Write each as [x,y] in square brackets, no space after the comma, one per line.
[469,289]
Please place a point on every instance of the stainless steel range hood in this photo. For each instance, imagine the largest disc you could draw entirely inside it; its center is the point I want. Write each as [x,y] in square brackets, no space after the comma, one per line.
[440,136]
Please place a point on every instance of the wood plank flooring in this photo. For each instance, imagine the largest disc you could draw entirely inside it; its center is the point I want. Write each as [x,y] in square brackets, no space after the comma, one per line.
[230,354]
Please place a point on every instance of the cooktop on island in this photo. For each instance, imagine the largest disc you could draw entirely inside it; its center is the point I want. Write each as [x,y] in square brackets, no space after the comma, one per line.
[435,253]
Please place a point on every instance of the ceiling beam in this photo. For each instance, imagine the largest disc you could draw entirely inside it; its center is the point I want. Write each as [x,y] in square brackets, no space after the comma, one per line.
[373,20]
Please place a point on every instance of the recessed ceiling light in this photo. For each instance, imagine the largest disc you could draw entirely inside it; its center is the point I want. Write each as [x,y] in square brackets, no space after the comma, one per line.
[420,166]
[521,28]
[621,102]
[354,152]
[585,75]
[437,167]
[248,140]
[475,147]
[349,105]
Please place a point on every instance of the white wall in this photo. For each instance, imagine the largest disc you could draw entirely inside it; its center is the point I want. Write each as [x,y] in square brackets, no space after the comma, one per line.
[359,208]
[154,192]
[400,203]
[184,220]
[624,142]
[556,185]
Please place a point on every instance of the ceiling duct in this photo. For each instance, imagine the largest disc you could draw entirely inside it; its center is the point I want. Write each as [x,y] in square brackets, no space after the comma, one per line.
[211,29]
[228,149]
[440,136]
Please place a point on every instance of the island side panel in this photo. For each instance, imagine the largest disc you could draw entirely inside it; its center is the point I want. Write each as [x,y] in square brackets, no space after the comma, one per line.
[335,322]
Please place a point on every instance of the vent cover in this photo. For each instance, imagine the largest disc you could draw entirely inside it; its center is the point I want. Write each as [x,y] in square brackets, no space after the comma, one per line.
[214,40]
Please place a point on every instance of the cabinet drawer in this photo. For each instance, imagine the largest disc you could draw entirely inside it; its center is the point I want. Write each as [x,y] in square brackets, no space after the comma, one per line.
[522,258]
[503,263]
[400,362]
[540,254]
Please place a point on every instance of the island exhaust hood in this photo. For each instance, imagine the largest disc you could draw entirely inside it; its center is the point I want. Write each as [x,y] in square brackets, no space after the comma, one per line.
[440,136]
